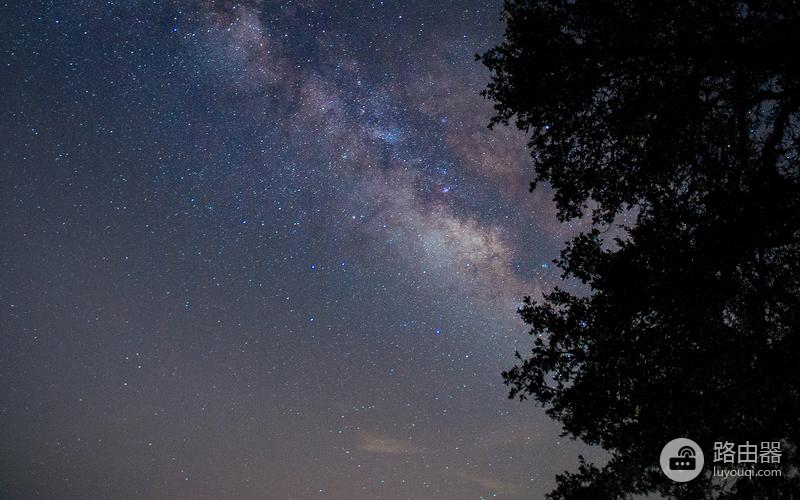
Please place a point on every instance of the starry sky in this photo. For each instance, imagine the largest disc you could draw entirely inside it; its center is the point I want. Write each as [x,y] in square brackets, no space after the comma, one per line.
[257,249]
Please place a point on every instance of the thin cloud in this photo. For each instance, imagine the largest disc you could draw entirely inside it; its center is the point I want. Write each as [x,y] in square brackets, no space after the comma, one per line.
[378,443]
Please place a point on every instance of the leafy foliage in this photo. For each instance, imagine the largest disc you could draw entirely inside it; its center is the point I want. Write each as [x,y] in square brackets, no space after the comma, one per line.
[685,114]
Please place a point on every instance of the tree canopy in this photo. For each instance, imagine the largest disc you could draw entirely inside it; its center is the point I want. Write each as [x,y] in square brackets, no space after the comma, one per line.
[684,115]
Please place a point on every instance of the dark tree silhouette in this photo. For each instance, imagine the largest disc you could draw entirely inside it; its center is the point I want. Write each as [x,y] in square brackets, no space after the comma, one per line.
[684,115]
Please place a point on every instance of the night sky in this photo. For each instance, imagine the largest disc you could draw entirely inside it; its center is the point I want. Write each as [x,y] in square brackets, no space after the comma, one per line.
[264,250]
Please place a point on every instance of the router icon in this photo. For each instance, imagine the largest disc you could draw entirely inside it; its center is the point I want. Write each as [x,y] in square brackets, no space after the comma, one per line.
[685,459]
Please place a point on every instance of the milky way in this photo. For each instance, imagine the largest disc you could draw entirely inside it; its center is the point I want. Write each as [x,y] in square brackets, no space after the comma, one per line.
[264,250]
